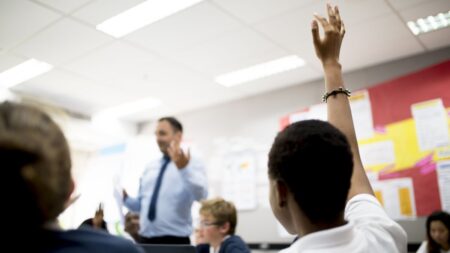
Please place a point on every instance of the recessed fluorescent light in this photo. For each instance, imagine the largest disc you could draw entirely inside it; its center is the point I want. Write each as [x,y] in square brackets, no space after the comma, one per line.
[260,71]
[141,15]
[128,109]
[430,23]
[23,72]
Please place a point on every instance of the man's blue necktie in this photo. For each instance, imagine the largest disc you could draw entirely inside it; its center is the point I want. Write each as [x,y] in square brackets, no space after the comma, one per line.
[152,209]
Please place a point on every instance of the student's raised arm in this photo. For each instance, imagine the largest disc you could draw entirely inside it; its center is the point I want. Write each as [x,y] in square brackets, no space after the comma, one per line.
[338,106]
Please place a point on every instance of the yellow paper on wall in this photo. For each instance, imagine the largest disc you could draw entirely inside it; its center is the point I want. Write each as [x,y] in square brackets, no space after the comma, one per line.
[405,201]
[379,196]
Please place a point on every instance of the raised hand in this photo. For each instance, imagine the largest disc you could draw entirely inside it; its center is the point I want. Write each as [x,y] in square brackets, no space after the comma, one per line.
[98,217]
[338,107]
[328,48]
[177,155]
[132,225]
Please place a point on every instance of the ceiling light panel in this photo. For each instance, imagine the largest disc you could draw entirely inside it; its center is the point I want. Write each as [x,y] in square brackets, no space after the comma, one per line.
[143,14]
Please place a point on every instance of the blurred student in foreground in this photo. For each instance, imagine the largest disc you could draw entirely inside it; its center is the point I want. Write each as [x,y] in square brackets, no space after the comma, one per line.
[36,163]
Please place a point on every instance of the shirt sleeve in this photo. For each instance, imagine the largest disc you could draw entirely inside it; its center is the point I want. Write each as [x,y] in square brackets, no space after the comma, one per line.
[194,177]
[367,214]
[134,204]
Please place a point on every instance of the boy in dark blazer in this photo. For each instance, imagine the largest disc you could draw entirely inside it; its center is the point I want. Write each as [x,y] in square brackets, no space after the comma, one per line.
[218,221]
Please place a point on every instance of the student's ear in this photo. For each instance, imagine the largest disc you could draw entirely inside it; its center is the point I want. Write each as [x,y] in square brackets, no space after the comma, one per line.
[225,228]
[69,199]
[281,193]
[71,187]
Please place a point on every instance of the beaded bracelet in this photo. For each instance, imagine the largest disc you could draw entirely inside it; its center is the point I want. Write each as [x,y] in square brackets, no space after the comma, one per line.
[326,95]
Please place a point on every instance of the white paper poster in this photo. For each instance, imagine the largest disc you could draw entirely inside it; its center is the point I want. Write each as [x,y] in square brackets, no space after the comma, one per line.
[431,122]
[443,173]
[377,153]
[397,197]
[443,153]
[239,181]
[362,114]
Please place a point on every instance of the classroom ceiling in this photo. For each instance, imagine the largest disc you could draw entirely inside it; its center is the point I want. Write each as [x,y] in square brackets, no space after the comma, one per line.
[176,59]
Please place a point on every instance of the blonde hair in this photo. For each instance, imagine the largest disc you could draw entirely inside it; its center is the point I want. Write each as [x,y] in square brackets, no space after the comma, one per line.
[37,156]
[222,211]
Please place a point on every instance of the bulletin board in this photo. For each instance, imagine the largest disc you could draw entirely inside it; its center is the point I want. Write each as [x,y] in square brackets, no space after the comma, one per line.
[403,129]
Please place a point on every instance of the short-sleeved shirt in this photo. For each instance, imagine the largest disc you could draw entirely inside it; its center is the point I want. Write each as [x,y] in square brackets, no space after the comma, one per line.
[369,229]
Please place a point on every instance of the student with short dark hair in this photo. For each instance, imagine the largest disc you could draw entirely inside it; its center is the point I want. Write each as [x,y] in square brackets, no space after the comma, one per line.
[318,187]
[218,219]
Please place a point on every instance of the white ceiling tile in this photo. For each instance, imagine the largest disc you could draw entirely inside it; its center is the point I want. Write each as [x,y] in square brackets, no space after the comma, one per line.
[177,58]
[278,81]
[425,9]
[436,39]
[405,4]
[122,65]
[208,94]
[358,11]
[188,96]
[386,28]
[385,38]
[57,98]
[251,11]
[62,42]
[20,19]
[352,11]
[66,6]
[357,56]
[431,40]
[100,10]
[292,30]
[72,91]
[8,61]
[117,63]
[60,80]
[233,50]
[166,73]
[184,29]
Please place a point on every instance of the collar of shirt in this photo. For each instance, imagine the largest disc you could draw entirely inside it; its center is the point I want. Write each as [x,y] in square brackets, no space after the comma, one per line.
[211,249]
[328,238]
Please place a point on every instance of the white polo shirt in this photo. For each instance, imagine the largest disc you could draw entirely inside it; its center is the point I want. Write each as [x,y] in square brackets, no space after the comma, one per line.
[423,248]
[368,230]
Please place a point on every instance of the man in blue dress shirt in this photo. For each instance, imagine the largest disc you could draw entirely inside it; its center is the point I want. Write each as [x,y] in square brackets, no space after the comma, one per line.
[168,187]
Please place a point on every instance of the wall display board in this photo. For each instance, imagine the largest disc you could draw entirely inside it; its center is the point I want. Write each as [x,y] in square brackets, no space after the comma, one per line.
[403,131]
